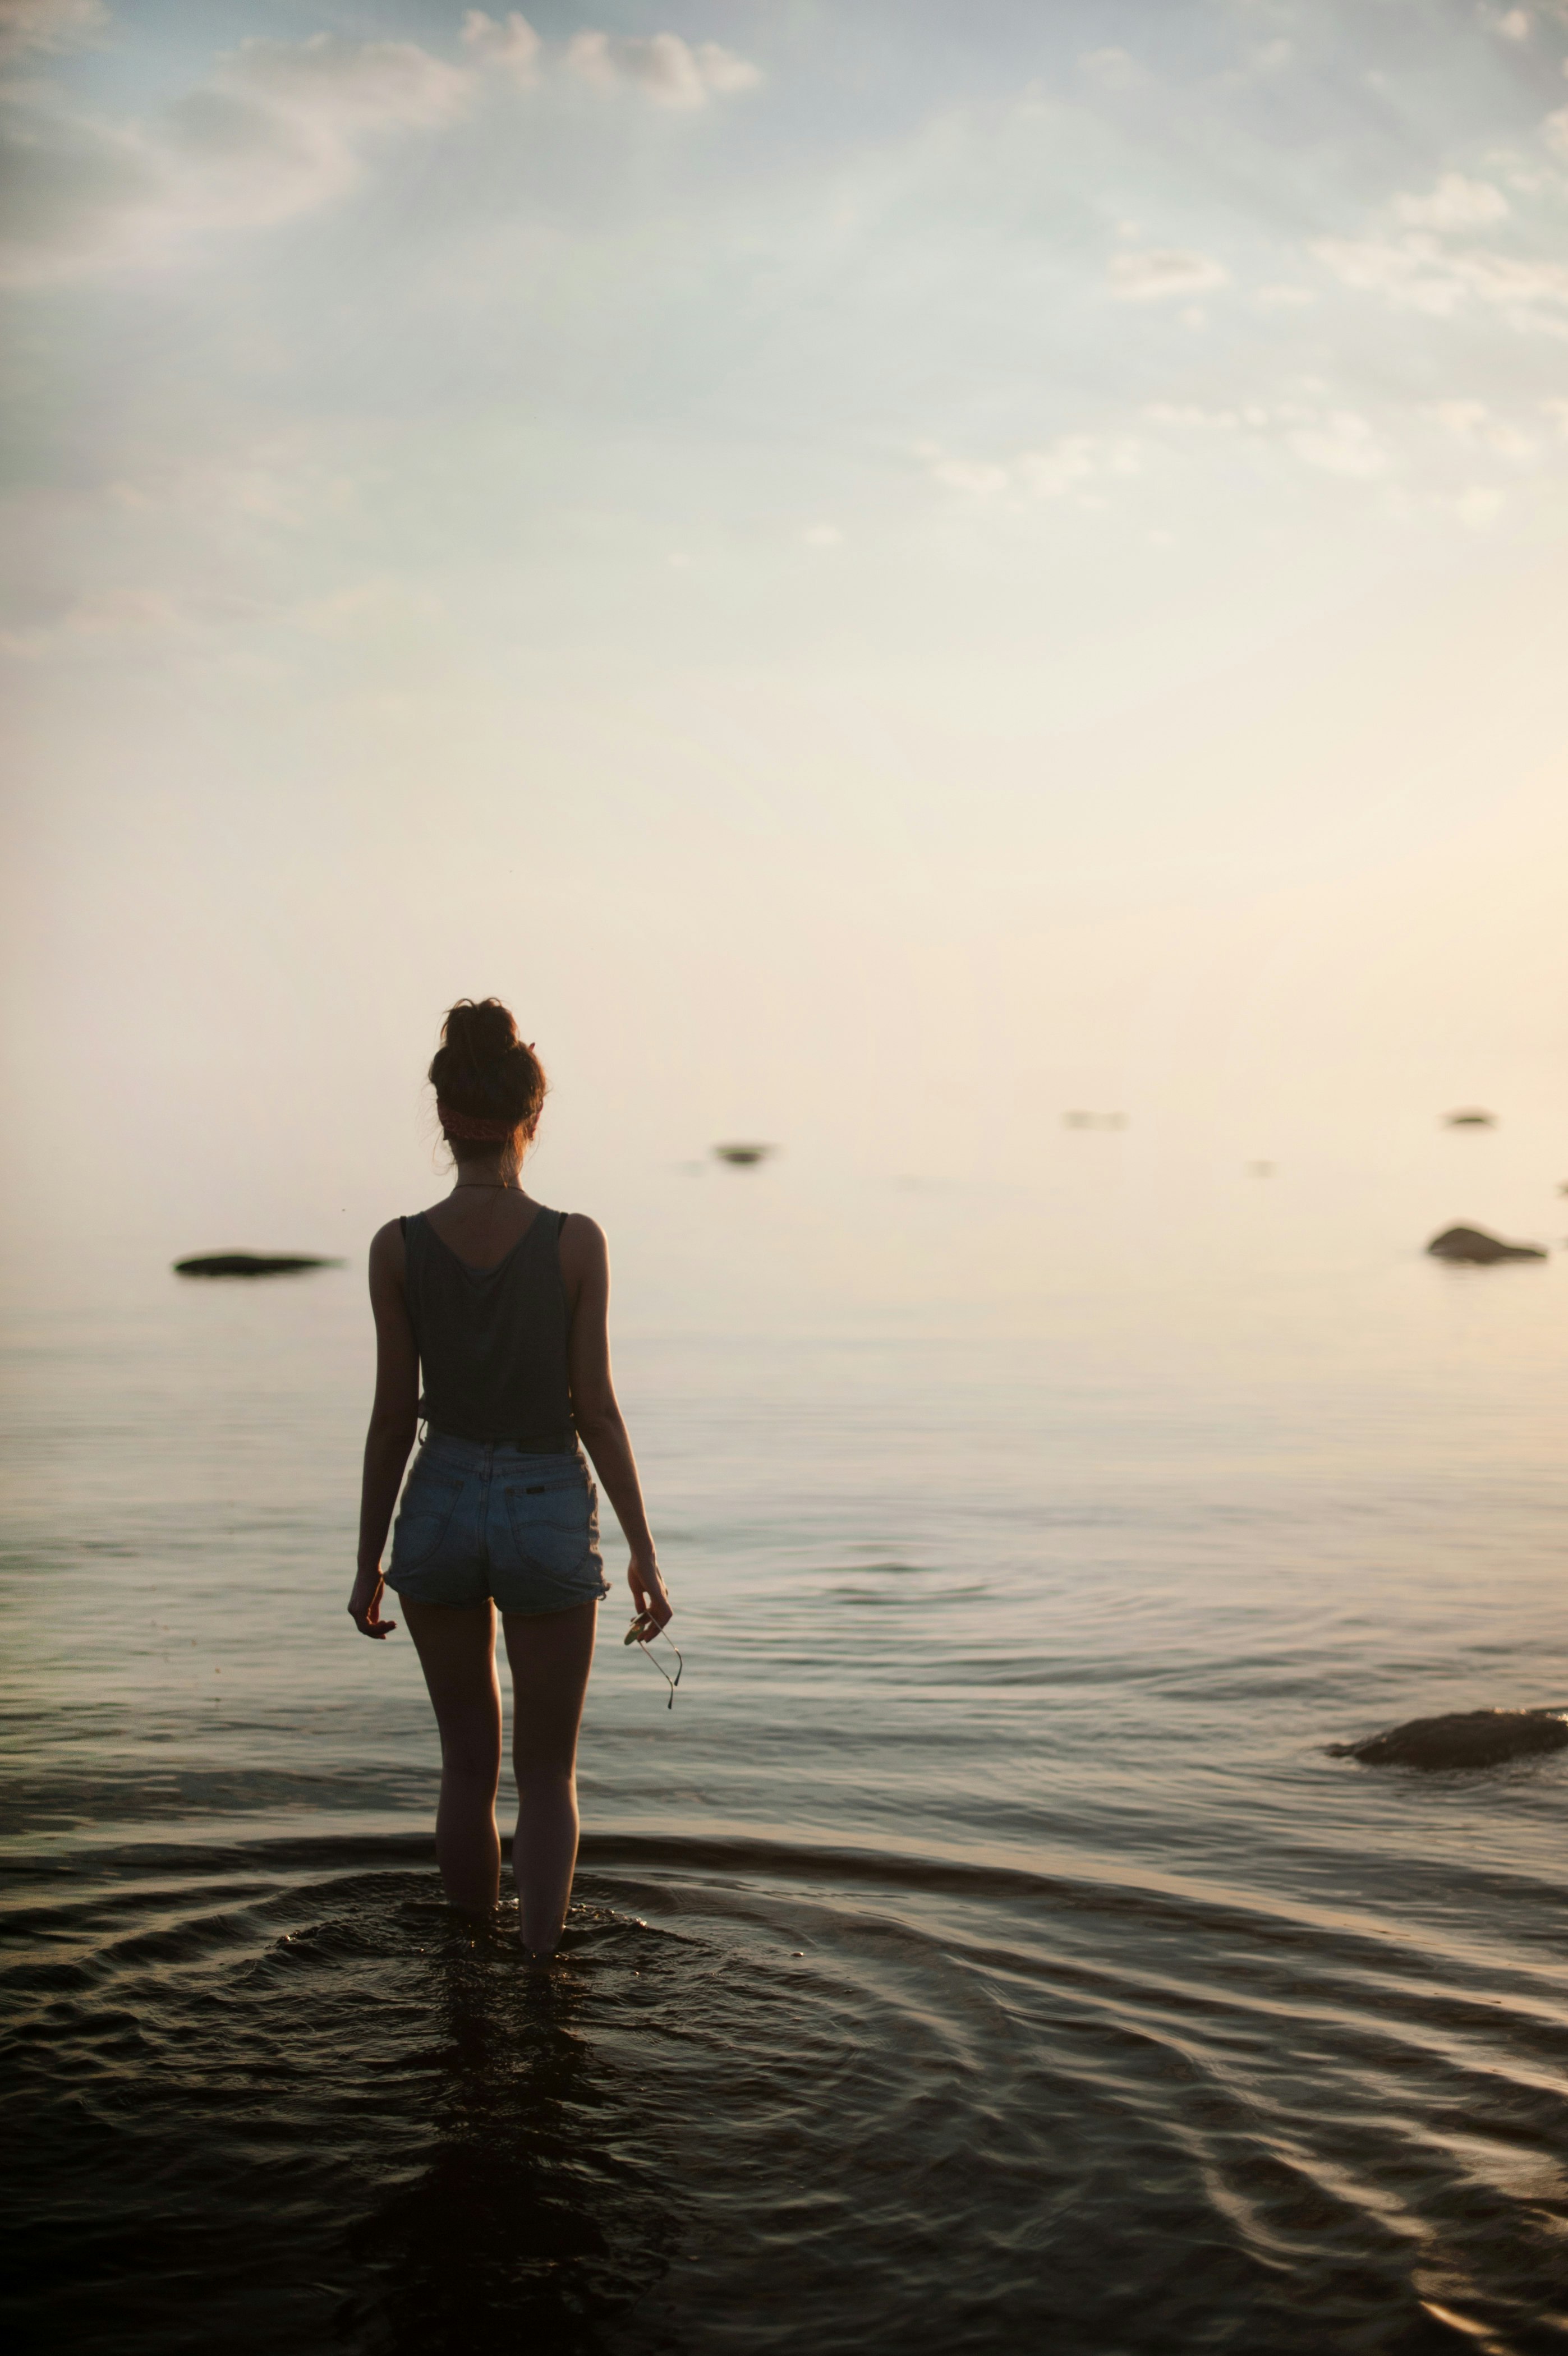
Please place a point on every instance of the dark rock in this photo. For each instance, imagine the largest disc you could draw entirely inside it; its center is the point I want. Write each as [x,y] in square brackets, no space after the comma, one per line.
[1468,1738]
[1475,1245]
[1472,1119]
[743,1156]
[251,1264]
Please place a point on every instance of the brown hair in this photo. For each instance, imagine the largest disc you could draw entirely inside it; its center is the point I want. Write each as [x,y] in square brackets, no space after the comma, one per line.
[483,1069]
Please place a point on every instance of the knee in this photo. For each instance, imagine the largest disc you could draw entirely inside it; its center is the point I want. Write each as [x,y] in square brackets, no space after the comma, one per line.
[480,1771]
[539,1777]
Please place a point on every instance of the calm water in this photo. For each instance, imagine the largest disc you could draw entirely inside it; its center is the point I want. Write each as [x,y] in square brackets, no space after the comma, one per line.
[984,1954]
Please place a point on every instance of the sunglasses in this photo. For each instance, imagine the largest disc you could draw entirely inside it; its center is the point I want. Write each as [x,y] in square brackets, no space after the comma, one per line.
[640,1634]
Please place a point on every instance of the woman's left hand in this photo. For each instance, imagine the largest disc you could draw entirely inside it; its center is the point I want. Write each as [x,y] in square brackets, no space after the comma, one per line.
[365,1605]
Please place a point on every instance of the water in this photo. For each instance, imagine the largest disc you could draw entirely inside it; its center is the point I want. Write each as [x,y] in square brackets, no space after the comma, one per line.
[984,1954]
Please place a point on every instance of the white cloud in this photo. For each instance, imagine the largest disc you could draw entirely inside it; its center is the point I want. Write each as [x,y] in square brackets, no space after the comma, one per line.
[979,480]
[1166,271]
[1069,463]
[822,535]
[1072,459]
[1555,130]
[1340,443]
[1217,420]
[513,47]
[1282,297]
[1111,69]
[661,66]
[1455,203]
[1511,24]
[277,129]
[1478,506]
[1418,272]
[1472,423]
[48,25]
[1558,413]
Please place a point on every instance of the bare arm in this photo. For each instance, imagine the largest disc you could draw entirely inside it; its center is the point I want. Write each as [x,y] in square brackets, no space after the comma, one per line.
[585,1265]
[393,1426]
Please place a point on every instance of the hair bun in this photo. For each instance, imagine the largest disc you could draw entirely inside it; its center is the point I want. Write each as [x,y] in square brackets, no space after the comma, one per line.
[482,1071]
[481,1029]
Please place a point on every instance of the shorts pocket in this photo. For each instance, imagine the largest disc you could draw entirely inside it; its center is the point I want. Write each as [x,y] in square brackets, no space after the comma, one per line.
[555,1524]
[429,1503]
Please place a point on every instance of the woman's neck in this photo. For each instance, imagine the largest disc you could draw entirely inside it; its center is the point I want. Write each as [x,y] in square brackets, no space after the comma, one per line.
[485,1172]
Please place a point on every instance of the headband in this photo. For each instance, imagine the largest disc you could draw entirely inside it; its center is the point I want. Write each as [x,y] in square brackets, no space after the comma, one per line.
[468,1124]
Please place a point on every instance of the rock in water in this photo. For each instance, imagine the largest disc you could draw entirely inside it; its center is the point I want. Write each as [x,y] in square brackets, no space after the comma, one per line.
[744,1157]
[1468,1738]
[1475,1245]
[251,1264]
[1471,1118]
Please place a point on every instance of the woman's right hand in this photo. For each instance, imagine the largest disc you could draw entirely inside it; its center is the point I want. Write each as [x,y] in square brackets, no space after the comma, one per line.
[649,1595]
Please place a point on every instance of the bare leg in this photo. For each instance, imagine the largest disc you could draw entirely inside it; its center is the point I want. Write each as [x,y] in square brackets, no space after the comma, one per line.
[551,1653]
[456,1646]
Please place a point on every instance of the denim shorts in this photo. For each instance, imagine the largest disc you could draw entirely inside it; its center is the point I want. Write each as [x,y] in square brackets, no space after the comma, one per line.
[481,1517]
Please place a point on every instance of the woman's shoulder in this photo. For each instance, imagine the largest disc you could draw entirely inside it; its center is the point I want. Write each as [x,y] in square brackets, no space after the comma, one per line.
[583,1245]
[389,1257]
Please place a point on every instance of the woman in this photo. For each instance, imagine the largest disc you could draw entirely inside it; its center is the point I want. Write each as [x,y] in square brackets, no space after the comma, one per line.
[503,1305]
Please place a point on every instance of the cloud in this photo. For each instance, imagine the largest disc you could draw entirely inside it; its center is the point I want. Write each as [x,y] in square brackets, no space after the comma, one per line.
[1455,203]
[1511,24]
[1111,69]
[822,535]
[1472,423]
[1340,443]
[1213,421]
[1069,463]
[975,476]
[1418,272]
[1072,459]
[1478,506]
[1154,276]
[513,47]
[660,66]
[48,25]
[277,129]
[1555,130]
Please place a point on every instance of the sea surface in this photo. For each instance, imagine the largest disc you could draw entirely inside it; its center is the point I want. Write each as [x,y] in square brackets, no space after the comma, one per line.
[984,1952]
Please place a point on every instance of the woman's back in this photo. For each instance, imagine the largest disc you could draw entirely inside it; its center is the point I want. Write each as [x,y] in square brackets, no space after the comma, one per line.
[493,1331]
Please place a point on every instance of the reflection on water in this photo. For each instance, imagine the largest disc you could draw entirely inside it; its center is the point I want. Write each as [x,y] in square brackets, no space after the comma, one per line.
[986,1952]
[827,2096]
[530,2218]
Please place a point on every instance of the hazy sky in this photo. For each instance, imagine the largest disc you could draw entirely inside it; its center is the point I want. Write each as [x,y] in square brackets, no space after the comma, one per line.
[879,570]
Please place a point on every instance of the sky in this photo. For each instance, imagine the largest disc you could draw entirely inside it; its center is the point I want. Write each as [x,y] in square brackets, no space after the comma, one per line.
[879,572]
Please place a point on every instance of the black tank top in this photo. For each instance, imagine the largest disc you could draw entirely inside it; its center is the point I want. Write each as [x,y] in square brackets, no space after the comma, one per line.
[492,1341]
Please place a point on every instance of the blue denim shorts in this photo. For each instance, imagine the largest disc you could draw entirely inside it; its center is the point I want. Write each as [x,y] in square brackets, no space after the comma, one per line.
[480,1518]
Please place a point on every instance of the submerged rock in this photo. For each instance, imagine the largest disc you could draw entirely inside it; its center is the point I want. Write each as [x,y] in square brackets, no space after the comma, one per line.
[743,1156]
[1468,1738]
[1474,1245]
[251,1264]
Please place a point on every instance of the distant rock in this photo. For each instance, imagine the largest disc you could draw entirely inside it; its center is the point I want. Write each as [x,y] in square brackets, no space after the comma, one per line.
[1472,1118]
[1468,1738]
[251,1264]
[745,1157]
[1475,1245]
[1095,1121]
